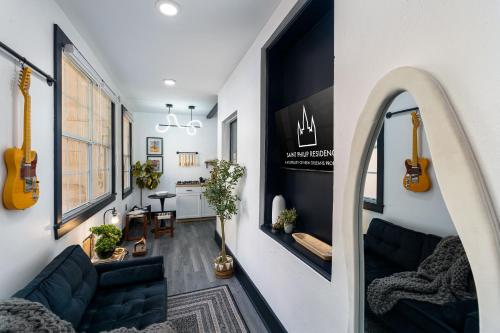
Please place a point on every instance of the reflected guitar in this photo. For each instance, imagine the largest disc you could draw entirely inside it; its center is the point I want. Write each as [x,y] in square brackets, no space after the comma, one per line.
[21,189]
[416,178]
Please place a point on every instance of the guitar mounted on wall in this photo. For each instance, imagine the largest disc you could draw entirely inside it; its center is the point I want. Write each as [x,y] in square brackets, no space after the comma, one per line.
[21,189]
[416,178]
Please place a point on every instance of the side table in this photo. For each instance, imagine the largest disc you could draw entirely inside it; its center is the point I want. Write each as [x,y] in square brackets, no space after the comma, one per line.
[159,229]
[131,217]
[118,255]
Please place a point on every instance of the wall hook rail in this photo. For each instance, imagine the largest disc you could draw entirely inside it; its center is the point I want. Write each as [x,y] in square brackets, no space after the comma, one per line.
[390,114]
[24,61]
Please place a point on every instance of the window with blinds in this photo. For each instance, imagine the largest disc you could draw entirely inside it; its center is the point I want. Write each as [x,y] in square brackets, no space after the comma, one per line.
[371,177]
[126,153]
[86,145]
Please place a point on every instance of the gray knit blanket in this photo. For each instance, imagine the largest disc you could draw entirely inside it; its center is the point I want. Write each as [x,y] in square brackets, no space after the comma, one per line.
[22,316]
[441,278]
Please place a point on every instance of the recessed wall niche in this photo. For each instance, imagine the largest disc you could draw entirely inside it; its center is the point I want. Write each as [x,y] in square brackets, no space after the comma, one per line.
[299,64]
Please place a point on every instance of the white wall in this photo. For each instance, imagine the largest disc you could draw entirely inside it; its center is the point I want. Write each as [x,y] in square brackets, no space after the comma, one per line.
[174,140]
[454,40]
[26,237]
[299,296]
[426,211]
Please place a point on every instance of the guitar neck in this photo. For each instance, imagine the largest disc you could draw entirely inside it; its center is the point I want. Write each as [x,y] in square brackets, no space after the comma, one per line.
[414,159]
[27,129]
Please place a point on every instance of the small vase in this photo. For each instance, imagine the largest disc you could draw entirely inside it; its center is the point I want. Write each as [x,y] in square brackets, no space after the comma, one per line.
[279,205]
[288,228]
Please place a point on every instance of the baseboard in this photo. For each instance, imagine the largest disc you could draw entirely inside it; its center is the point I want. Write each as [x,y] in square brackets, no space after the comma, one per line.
[265,312]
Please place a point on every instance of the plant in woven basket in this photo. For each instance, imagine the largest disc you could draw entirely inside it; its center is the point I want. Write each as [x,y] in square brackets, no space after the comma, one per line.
[146,176]
[108,237]
[219,191]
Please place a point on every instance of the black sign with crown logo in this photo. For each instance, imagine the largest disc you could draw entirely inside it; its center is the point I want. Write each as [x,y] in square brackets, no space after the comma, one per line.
[305,132]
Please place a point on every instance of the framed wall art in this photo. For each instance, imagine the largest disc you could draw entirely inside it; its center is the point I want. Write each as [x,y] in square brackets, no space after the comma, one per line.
[157,162]
[154,146]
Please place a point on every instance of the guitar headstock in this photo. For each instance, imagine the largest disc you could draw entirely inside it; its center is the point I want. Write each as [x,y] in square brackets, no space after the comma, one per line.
[25,81]
[415,119]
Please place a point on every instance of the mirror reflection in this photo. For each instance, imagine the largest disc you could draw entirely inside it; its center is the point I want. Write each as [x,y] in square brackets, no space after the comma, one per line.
[416,274]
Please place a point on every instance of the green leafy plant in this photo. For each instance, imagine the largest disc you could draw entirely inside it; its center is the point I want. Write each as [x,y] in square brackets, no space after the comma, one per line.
[146,176]
[219,191]
[287,217]
[108,237]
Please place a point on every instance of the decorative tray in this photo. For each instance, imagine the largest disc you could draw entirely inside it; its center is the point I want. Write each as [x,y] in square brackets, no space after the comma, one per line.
[118,255]
[319,248]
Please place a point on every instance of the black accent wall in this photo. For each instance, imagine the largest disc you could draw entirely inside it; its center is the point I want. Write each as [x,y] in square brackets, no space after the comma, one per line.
[300,64]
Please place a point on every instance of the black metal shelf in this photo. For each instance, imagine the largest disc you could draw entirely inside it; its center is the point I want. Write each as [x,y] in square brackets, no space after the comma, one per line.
[324,268]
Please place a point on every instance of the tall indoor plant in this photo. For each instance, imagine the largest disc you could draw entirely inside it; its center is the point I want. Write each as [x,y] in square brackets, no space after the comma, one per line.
[220,194]
[146,176]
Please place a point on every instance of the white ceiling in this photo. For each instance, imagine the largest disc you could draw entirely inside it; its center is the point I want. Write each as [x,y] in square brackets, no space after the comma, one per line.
[199,48]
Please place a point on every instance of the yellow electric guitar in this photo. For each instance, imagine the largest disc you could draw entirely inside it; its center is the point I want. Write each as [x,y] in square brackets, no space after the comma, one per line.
[416,178]
[21,187]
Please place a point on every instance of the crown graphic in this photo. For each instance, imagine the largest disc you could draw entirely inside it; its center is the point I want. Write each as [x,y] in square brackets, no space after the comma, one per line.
[306,134]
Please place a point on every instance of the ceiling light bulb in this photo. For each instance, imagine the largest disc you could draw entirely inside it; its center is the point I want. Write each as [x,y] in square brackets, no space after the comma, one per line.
[169,8]
[169,82]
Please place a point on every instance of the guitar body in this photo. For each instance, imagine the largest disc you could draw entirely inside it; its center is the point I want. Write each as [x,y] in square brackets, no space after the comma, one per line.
[21,189]
[417,179]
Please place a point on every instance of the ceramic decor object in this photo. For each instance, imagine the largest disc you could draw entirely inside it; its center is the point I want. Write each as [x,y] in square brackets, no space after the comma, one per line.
[279,205]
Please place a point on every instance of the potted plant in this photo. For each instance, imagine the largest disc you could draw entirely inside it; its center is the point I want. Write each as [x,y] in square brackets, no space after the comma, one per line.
[287,218]
[108,237]
[146,176]
[219,191]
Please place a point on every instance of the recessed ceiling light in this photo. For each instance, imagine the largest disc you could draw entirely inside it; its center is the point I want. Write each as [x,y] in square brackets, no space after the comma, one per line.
[169,82]
[168,7]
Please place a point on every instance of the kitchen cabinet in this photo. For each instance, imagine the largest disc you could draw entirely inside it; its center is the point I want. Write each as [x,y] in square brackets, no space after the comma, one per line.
[191,203]
[206,209]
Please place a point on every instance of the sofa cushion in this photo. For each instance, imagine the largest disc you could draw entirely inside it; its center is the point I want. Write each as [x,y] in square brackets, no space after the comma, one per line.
[472,322]
[377,267]
[429,244]
[455,313]
[65,286]
[138,306]
[398,245]
[415,316]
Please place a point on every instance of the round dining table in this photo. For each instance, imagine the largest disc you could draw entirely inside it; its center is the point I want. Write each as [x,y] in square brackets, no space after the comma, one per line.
[162,197]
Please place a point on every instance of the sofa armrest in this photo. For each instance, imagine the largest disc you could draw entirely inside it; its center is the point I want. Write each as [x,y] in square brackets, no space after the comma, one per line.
[102,268]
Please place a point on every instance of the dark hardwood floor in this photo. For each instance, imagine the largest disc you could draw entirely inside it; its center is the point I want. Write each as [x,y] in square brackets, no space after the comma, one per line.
[188,258]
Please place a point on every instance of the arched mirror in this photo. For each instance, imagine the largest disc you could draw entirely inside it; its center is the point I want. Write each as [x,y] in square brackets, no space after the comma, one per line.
[416,275]
[455,171]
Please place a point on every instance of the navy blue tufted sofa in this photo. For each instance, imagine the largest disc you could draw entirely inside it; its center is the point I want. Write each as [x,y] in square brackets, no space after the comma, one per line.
[102,297]
[390,249]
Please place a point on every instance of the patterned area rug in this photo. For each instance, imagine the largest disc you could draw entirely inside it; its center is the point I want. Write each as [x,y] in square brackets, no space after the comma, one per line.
[206,311]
